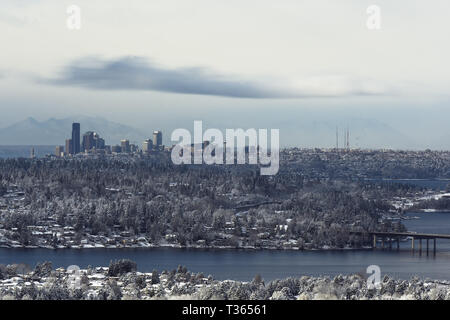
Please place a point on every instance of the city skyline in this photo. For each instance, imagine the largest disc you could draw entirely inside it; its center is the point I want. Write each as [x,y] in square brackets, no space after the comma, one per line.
[93,142]
[224,150]
[365,134]
[272,67]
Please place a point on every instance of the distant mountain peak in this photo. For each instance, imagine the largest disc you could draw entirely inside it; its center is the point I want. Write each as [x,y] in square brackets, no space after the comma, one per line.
[31,120]
[55,131]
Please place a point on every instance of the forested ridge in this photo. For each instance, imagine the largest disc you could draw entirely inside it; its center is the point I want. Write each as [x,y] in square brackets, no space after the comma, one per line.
[185,205]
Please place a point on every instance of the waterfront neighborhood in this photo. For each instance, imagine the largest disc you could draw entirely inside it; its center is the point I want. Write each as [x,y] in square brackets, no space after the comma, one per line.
[121,281]
[241,213]
[322,199]
[51,235]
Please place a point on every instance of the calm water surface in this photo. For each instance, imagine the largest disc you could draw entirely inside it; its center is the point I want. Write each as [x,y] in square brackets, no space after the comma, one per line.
[244,264]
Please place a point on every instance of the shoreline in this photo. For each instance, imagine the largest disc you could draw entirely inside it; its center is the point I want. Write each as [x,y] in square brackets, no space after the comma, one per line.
[364,248]
[427,211]
[121,281]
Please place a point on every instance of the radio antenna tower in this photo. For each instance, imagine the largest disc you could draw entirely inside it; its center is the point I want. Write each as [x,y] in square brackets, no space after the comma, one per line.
[345,139]
[348,139]
[337,138]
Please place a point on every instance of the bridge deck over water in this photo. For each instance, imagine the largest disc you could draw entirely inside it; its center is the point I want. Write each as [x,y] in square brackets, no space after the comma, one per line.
[396,236]
[411,234]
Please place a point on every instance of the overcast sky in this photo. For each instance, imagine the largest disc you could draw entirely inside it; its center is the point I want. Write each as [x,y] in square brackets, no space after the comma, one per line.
[162,63]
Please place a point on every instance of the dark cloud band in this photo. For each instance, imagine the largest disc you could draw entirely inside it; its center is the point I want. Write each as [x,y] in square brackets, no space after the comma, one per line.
[134,73]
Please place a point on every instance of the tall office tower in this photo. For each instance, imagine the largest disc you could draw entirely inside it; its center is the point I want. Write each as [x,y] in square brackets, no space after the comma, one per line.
[88,141]
[157,139]
[32,155]
[125,145]
[76,138]
[59,151]
[69,146]
[99,143]
[147,146]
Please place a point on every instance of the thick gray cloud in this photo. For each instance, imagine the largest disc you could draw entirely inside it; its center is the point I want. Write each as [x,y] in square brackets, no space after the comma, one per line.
[135,73]
[132,73]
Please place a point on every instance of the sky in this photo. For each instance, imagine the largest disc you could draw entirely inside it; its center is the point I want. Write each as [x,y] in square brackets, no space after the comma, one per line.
[280,64]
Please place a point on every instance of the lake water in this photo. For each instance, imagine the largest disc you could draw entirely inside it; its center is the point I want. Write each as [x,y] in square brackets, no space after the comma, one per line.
[245,264]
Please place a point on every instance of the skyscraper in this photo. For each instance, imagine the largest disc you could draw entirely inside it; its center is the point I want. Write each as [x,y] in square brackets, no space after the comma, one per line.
[157,139]
[69,146]
[125,145]
[59,151]
[92,140]
[147,146]
[88,141]
[76,138]
[98,142]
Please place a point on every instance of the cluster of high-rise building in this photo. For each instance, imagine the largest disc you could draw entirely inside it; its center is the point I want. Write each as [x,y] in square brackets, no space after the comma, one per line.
[91,142]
